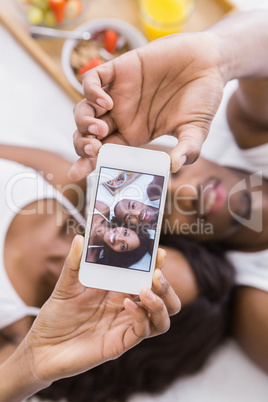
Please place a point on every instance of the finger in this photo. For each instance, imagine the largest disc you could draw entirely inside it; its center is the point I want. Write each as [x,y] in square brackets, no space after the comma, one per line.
[142,326]
[109,122]
[188,148]
[163,289]
[156,310]
[94,81]
[82,168]
[69,273]
[85,165]
[115,138]
[160,258]
[86,118]
[86,145]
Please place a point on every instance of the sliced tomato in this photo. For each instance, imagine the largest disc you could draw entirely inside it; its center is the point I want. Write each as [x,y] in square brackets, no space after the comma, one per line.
[110,40]
[91,64]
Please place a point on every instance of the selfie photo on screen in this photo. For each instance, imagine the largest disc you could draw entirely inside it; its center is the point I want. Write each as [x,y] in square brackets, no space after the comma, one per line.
[124,219]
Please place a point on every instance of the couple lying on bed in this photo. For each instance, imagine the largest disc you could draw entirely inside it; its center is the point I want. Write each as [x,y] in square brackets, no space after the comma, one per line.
[124,239]
[230,200]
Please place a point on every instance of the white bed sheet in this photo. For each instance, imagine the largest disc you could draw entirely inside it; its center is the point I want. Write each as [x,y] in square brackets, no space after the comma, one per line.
[36,112]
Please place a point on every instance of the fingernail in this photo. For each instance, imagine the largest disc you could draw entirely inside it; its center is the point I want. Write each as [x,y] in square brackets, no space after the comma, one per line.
[182,161]
[161,278]
[101,103]
[93,129]
[165,253]
[150,296]
[88,149]
[74,240]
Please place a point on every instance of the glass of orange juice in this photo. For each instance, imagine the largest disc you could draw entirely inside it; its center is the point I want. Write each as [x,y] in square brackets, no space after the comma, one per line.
[164,17]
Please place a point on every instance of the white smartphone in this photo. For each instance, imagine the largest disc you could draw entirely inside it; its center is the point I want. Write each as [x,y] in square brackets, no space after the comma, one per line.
[124,218]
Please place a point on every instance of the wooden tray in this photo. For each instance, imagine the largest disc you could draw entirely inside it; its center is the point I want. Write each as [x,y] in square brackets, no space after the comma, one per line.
[48,52]
[129,180]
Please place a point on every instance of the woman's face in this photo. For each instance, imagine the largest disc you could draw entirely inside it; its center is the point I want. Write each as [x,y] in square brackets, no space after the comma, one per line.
[200,202]
[121,239]
[42,241]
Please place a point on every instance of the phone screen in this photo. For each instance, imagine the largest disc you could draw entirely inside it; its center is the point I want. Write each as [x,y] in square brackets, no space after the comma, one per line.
[125,219]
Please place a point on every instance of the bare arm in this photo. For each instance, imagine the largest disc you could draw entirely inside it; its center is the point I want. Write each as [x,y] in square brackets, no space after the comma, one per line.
[250,323]
[154,189]
[103,208]
[51,166]
[244,52]
[247,113]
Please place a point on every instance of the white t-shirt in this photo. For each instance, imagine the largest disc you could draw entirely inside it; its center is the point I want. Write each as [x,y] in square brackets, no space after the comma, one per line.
[220,147]
[20,186]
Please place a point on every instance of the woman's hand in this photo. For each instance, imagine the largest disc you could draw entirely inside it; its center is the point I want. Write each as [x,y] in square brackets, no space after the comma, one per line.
[173,86]
[79,328]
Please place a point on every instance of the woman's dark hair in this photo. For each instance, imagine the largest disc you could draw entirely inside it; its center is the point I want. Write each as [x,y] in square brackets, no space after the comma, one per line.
[111,257]
[155,363]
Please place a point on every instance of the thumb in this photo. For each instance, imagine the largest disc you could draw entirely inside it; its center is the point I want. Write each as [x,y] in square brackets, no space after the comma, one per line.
[82,168]
[69,274]
[189,146]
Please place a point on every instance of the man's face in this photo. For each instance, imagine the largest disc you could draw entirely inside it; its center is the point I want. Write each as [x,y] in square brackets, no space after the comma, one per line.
[197,201]
[131,212]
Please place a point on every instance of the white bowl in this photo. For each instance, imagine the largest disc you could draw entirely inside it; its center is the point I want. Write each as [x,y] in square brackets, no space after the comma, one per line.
[133,36]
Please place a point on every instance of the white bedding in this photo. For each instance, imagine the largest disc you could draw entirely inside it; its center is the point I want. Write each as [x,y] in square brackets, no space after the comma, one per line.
[29,117]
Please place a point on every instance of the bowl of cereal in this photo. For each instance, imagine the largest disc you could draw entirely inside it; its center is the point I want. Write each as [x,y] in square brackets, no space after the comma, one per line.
[109,38]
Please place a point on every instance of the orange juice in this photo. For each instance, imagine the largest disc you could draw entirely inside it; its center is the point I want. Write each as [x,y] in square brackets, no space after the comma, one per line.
[164,17]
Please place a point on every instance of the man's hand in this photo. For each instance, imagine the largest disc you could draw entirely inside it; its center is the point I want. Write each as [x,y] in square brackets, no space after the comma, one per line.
[173,86]
[79,328]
